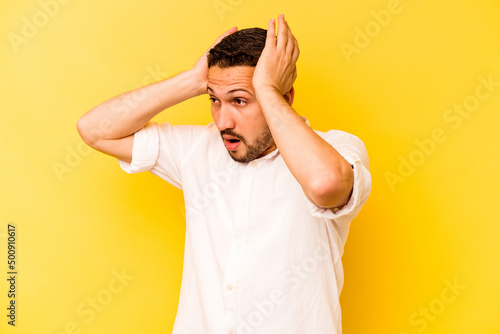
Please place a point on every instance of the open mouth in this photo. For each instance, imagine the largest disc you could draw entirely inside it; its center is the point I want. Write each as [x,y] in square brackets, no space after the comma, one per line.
[232,144]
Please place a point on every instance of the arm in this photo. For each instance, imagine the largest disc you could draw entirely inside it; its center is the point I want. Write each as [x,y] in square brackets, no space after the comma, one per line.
[325,176]
[110,126]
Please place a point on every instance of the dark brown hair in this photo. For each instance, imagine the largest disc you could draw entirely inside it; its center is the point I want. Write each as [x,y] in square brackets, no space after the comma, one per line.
[241,48]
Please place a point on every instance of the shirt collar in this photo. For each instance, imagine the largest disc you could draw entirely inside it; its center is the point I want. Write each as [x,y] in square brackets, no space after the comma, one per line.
[259,161]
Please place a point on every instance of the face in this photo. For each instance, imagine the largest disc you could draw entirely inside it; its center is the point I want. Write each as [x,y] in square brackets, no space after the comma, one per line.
[237,113]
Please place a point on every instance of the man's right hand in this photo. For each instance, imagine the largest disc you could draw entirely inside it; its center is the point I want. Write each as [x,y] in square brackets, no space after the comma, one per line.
[200,68]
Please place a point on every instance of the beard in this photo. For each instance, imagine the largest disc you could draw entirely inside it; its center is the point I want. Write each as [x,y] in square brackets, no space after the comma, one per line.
[263,141]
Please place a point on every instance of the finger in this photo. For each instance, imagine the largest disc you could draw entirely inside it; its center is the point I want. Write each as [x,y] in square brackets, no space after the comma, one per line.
[271,34]
[291,43]
[294,45]
[290,46]
[296,51]
[282,32]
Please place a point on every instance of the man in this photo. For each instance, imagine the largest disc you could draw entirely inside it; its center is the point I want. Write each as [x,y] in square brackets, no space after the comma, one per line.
[268,199]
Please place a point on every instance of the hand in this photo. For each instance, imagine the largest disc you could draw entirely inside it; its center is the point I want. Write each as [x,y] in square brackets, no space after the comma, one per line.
[276,68]
[200,68]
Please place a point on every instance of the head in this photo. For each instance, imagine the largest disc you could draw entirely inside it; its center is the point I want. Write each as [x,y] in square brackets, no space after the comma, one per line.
[234,107]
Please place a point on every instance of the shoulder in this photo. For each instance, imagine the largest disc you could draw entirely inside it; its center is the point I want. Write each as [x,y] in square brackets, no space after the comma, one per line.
[184,134]
[344,141]
[340,136]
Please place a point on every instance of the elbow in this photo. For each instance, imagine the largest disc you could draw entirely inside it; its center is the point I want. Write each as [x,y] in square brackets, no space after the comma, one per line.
[334,189]
[85,132]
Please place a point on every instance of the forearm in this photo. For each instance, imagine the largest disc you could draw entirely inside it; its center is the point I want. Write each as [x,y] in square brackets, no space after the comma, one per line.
[325,176]
[126,113]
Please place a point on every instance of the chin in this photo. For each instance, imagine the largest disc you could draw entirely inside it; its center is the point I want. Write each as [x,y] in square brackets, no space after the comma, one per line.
[237,156]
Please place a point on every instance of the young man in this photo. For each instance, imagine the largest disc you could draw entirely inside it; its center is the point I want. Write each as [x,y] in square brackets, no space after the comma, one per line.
[268,199]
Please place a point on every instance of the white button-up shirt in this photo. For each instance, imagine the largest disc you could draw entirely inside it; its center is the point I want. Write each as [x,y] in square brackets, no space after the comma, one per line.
[259,256]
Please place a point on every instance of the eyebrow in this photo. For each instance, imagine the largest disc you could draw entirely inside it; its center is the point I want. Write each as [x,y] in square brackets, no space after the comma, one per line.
[233,90]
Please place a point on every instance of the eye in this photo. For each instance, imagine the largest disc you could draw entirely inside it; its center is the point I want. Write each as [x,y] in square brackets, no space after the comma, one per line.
[212,99]
[240,102]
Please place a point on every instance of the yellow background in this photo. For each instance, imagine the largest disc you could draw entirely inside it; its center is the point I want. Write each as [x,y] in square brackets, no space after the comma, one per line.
[435,226]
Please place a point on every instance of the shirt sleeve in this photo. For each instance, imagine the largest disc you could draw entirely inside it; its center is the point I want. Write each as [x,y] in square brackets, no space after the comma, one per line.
[160,148]
[353,151]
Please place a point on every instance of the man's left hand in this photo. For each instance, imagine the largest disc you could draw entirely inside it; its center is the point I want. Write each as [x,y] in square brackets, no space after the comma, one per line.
[276,68]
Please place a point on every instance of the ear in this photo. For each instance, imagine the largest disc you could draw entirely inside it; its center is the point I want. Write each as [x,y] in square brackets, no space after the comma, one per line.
[289,96]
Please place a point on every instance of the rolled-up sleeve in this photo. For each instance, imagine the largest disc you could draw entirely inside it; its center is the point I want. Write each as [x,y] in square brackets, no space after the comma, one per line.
[158,149]
[145,150]
[353,151]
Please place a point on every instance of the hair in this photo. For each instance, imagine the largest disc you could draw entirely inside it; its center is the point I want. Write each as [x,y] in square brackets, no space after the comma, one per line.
[241,48]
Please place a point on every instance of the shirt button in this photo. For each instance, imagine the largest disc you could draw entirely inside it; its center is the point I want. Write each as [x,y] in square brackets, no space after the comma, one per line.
[254,163]
[242,204]
[238,246]
[230,287]
[230,331]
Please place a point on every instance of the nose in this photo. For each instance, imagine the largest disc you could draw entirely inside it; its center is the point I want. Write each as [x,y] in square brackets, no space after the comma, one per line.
[225,119]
